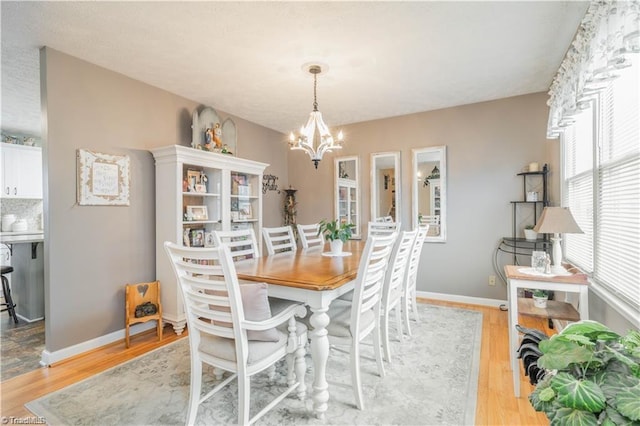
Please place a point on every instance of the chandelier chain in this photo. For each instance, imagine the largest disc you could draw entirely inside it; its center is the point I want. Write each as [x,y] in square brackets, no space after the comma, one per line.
[315,86]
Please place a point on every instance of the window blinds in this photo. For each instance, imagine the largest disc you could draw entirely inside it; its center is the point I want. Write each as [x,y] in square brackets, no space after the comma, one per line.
[601,172]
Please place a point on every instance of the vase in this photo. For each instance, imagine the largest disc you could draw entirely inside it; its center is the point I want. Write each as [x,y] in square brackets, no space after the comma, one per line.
[540,302]
[336,246]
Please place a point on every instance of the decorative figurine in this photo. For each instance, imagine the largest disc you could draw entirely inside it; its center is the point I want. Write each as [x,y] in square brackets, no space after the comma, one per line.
[217,135]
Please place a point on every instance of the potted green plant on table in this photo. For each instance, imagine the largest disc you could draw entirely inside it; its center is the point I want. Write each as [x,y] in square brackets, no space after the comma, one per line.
[540,298]
[593,376]
[529,233]
[336,233]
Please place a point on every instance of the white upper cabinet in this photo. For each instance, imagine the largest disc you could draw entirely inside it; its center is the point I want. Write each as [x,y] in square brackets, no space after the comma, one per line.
[21,171]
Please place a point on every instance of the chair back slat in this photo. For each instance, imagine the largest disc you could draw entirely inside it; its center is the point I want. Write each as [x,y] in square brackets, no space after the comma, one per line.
[384,219]
[279,240]
[382,228]
[242,243]
[310,235]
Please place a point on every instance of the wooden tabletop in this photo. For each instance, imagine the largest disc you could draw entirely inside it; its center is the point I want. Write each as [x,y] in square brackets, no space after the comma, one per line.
[513,271]
[307,269]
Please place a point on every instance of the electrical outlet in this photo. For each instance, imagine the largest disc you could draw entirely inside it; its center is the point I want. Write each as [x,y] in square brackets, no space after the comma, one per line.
[492,280]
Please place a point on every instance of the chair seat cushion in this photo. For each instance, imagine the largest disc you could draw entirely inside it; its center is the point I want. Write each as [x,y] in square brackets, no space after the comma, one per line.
[221,347]
[340,319]
[256,307]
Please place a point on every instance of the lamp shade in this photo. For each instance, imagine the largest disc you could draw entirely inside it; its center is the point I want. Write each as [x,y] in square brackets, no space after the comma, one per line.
[557,220]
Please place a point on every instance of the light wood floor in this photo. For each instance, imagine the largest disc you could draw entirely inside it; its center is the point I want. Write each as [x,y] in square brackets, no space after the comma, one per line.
[496,403]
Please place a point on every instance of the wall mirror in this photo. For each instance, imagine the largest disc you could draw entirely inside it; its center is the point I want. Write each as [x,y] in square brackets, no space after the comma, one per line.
[347,195]
[430,191]
[385,185]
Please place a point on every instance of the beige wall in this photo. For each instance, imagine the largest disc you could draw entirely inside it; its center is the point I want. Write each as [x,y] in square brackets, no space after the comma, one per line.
[487,145]
[93,251]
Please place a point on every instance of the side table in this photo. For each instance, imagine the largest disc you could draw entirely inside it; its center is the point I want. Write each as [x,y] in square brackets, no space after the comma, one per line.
[516,279]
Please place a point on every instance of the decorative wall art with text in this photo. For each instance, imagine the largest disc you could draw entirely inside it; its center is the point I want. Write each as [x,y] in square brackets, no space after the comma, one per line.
[103,179]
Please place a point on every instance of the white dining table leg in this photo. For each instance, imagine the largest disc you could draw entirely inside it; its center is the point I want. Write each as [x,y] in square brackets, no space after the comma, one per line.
[320,354]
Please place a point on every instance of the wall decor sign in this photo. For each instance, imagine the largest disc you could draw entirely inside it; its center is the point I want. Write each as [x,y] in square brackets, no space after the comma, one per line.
[103,179]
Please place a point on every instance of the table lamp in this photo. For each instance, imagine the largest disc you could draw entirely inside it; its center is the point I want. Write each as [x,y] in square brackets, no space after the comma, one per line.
[557,220]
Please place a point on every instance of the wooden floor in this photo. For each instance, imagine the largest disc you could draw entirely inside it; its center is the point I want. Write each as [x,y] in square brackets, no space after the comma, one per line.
[496,403]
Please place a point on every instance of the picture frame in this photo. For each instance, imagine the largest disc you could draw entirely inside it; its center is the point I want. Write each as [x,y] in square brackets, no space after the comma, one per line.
[209,241]
[186,237]
[102,179]
[197,238]
[197,213]
[244,190]
[193,179]
[244,211]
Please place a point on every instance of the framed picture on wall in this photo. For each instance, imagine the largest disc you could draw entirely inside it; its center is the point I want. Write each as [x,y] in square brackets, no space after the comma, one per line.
[102,179]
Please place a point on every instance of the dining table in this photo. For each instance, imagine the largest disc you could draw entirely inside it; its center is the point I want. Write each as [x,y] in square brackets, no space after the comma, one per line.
[315,277]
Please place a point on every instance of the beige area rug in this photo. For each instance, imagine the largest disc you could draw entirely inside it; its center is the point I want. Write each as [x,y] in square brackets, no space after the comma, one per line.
[22,348]
[433,380]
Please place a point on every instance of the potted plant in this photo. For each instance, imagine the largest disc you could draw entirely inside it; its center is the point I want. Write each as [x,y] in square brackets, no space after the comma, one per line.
[540,298]
[592,376]
[529,233]
[336,233]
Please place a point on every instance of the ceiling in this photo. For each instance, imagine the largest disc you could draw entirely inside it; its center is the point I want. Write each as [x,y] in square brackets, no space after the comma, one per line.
[384,59]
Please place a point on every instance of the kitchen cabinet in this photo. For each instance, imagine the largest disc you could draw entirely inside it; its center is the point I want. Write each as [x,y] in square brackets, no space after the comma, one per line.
[198,192]
[21,171]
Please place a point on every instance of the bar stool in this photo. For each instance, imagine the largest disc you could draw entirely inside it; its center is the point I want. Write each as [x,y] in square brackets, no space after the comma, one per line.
[6,292]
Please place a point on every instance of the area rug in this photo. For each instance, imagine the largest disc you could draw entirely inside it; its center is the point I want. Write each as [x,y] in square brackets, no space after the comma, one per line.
[432,380]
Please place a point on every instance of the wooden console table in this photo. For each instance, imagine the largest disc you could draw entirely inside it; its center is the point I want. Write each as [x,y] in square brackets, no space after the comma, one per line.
[575,283]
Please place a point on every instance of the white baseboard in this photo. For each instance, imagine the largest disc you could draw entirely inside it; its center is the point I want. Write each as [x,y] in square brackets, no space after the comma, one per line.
[49,358]
[25,319]
[461,299]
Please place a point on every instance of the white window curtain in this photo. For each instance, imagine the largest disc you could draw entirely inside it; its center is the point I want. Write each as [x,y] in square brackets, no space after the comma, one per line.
[608,33]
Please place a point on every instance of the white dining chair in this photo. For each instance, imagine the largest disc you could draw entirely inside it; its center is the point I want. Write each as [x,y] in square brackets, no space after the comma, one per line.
[409,302]
[242,243]
[378,228]
[310,235]
[433,221]
[352,321]
[394,286]
[384,219]
[279,239]
[220,323]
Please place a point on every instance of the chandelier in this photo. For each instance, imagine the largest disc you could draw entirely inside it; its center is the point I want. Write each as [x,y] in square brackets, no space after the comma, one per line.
[315,124]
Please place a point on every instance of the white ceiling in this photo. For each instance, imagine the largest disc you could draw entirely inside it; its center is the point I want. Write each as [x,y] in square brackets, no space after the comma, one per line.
[246,58]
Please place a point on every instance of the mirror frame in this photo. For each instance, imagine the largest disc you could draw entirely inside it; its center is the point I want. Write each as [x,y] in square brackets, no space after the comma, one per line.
[415,186]
[357,230]
[375,184]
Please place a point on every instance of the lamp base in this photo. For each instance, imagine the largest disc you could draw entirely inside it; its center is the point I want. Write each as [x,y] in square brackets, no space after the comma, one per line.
[559,270]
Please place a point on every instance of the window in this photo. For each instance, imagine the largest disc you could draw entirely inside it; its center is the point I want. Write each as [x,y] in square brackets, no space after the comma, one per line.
[601,186]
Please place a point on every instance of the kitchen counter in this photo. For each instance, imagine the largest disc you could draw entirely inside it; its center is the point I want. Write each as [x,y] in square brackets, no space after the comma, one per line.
[33,236]
[27,278]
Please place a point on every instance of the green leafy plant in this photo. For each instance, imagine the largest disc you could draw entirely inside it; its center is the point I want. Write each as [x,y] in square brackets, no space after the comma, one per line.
[334,231]
[540,293]
[593,376]
[529,227]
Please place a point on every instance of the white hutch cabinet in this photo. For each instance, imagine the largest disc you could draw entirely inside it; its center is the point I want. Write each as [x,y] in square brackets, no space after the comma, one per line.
[198,192]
